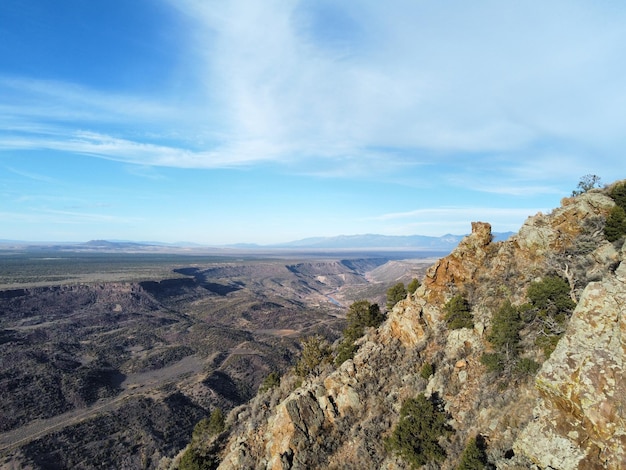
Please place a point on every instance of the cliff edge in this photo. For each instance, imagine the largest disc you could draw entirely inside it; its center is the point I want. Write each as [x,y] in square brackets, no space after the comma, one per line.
[555,403]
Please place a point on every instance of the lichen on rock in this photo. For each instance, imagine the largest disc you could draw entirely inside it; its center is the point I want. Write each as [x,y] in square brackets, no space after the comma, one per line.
[584,381]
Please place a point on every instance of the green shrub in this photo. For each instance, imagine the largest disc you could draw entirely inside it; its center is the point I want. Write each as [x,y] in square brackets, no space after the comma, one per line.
[547,342]
[458,313]
[271,381]
[192,460]
[474,456]
[526,366]
[315,353]
[494,362]
[395,294]
[427,370]
[216,422]
[346,350]
[618,194]
[615,227]
[413,286]
[208,427]
[416,436]
[551,305]
[361,314]
[550,296]
[505,327]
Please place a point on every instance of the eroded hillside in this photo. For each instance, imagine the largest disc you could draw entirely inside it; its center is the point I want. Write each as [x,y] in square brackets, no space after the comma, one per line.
[100,374]
[535,378]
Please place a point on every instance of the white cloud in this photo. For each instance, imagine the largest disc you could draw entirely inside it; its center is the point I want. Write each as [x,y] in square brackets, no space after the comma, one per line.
[455,212]
[457,220]
[31,175]
[450,76]
[50,216]
[361,88]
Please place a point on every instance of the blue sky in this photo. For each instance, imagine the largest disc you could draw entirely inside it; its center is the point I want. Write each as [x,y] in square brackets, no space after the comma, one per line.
[270,120]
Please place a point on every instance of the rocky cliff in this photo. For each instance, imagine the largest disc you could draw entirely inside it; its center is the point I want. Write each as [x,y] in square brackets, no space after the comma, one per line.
[567,415]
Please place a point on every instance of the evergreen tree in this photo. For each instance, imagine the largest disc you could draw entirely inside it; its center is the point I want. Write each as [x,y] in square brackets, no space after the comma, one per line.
[216,422]
[315,353]
[416,436]
[395,294]
[458,313]
[505,328]
[618,194]
[361,314]
[272,380]
[474,456]
[615,227]
[413,286]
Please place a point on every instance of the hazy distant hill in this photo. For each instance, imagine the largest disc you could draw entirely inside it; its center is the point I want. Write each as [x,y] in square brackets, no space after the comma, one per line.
[445,243]
[420,242]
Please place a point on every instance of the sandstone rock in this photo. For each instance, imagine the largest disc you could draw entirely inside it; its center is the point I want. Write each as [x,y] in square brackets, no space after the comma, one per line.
[461,265]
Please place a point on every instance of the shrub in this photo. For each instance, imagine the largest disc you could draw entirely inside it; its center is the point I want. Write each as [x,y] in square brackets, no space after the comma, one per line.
[474,456]
[618,194]
[272,380]
[395,294]
[505,327]
[526,366]
[346,350]
[315,353]
[361,314]
[615,227]
[551,305]
[216,422]
[547,342]
[209,427]
[413,286]
[416,436]
[427,370]
[494,362]
[586,183]
[458,313]
[193,460]
[550,296]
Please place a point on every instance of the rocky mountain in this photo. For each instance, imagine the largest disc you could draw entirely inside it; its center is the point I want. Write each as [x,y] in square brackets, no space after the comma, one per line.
[518,344]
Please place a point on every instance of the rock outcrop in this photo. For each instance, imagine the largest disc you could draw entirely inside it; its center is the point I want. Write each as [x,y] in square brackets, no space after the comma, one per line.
[569,416]
[580,420]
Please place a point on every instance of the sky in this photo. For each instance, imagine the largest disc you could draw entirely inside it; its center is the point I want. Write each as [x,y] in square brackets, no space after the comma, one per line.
[267,121]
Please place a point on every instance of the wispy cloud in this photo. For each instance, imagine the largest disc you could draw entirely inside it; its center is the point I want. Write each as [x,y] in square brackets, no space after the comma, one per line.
[381,91]
[66,217]
[30,175]
[455,212]
[479,83]
[44,101]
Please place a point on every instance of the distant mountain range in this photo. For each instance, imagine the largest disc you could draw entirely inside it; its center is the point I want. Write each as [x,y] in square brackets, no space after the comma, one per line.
[445,243]
[414,242]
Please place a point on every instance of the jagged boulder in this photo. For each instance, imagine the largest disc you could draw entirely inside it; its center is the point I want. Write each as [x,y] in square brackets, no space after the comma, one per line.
[545,233]
[460,266]
[580,421]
